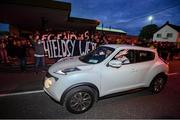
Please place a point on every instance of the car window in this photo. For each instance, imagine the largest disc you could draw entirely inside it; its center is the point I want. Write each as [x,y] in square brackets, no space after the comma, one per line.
[98,55]
[134,56]
[142,56]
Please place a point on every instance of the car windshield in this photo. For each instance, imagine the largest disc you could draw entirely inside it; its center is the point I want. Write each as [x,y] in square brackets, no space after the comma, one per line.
[97,55]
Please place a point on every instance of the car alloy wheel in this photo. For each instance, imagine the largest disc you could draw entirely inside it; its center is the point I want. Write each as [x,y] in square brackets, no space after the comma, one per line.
[158,84]
[80,101]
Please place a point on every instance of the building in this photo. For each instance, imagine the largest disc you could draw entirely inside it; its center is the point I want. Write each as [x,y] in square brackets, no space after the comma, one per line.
[31,15]
[167,33]
[118,36]
[113,35]
[26,17]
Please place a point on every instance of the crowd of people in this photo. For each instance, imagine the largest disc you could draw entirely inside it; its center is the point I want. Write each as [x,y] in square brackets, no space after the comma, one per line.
[166,50]
[19,50]
[15,49]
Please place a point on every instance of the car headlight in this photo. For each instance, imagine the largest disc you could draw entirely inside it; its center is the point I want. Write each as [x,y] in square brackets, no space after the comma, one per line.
[48,82]
[65,71]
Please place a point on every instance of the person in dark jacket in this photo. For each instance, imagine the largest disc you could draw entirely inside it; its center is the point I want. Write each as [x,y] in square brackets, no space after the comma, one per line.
[164,51]
[11,47]
[21,54]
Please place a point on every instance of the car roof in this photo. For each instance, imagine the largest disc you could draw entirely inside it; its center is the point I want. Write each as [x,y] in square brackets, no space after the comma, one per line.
[125,46]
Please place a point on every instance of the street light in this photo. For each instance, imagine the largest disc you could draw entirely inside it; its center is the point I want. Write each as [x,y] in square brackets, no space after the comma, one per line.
[150,18]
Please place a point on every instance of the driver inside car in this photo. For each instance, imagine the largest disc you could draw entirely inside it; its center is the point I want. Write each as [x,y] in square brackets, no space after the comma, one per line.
[121,56]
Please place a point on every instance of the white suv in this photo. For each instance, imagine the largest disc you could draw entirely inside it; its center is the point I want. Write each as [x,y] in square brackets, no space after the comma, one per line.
[78,82]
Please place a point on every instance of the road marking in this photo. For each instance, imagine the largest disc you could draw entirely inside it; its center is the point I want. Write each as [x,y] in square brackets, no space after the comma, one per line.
[21,93]
[175,73]
[40,91]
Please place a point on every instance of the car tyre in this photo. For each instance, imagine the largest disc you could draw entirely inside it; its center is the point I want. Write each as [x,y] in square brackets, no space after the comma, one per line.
[80,99]
[158,84]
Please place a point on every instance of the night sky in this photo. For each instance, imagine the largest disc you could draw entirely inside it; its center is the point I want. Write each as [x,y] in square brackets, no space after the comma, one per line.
[127,15]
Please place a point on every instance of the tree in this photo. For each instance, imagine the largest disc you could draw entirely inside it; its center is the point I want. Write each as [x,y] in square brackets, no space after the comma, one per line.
[147,32]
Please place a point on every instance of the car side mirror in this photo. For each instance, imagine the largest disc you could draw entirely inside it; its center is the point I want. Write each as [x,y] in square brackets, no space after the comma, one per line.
[115,63]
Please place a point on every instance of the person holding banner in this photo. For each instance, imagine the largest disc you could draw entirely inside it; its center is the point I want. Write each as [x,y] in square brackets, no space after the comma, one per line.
[39,53]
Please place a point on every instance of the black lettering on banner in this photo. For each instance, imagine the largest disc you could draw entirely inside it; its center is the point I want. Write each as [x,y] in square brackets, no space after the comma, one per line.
[67,48]
[58,49]
[55,47]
